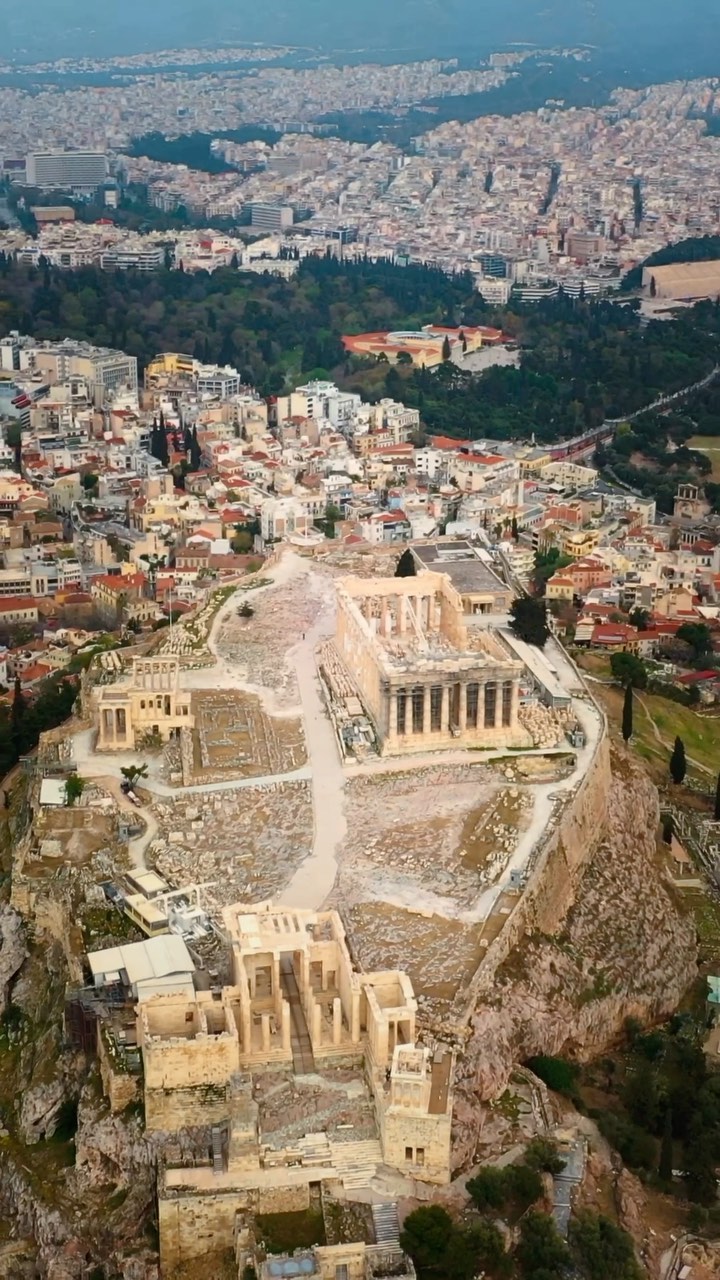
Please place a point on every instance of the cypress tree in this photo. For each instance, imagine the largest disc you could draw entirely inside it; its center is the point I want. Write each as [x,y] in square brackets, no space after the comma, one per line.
[665,1165]
[17,716]
[195,451]
[627,715]
[678,763]
[446,349]
[406,565]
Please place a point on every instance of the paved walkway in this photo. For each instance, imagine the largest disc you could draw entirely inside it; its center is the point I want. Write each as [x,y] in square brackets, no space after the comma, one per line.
[315,878]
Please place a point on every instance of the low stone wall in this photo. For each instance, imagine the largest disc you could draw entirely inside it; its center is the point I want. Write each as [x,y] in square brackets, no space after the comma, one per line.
[169,1110]
[194,1225]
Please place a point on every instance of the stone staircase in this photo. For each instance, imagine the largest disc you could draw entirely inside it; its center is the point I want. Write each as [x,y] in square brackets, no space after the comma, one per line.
[385,1221]
[314,1149]
[356,1162]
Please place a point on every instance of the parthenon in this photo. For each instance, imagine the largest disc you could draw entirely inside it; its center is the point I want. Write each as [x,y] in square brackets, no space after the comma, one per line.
[426,679]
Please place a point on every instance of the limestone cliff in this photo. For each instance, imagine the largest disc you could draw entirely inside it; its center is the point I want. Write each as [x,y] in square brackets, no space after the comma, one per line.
[624,949]
[12,949]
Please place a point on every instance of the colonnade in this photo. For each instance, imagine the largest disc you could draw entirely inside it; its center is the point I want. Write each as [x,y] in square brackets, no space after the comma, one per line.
[453,708]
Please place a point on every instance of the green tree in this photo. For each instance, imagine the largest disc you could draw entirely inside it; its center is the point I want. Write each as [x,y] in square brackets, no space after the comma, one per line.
[699,1164]
[18,718]
[640,618]
[628,670]
[90,481]
[698,636]
[524,1185]
[426,1235]
[542,1154]
[74,787]
[541,1246]
[446,349]
[641,1096]
[678,763]
[600,1249]
[488,1189]
[627,715]
[406,567]
[133,773]
[487,1249]
[528,621]
[242,542]
[514,531]
[665,1165]
[195,451]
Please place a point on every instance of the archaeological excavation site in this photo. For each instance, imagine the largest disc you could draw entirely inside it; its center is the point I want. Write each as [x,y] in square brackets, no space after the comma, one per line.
[357,894]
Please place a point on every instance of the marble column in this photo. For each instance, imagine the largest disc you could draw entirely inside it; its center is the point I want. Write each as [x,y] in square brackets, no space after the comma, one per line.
[427,719]
[462,713]
[392,713]
[499,705]
[515,708]
[286,1033]
[445,710]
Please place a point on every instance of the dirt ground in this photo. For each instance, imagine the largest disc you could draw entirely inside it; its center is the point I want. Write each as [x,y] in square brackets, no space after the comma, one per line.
[439,955]
[258,647]
[246,843]
[233,737]
[445,830]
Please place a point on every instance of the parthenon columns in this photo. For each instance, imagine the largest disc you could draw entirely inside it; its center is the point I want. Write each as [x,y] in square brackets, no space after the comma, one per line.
[426,709]
[462,710]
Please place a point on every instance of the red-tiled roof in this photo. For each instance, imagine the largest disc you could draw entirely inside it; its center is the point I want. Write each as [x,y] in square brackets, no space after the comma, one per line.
[11,603]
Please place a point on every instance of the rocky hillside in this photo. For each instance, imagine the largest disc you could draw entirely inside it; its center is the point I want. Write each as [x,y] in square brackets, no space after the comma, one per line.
[625,950]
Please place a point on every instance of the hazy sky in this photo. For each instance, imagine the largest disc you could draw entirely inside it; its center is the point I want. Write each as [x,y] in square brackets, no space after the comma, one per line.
[122,26]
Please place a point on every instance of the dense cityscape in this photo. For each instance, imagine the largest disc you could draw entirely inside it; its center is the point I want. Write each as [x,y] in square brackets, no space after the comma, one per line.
[359,667]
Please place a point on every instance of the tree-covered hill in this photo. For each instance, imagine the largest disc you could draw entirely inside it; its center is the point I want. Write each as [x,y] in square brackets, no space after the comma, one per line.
[581,361]
[266,326]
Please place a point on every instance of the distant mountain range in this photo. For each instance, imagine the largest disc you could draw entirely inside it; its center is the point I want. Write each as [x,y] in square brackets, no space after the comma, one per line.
[682,33]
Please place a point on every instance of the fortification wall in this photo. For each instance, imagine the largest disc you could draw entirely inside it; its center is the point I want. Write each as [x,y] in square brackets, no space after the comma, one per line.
[555,870]
[196,1225]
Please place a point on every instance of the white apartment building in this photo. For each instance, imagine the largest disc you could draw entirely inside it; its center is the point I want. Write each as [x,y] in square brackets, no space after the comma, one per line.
[494,291]
[105,371]
[282,517]
[401,422]
[66,170]
[431,463]
[147,257]
[319,400]
[221,383]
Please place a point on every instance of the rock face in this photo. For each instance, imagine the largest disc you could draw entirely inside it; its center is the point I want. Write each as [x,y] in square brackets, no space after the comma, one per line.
[12,950]
[623,951]
[39,1110]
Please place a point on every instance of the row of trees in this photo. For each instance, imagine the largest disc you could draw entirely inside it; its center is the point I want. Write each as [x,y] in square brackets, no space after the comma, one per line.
[22,722]
[662,1110]
[185,442]
[442,1250]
